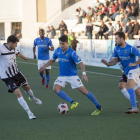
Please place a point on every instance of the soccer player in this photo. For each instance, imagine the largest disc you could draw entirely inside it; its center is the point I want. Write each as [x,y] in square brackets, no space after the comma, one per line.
[68,58]
[123,81]
[44,44]
[11,75]
[126,53]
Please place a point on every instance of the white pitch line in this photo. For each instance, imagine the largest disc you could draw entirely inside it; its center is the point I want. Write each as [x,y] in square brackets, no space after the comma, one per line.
[78,70]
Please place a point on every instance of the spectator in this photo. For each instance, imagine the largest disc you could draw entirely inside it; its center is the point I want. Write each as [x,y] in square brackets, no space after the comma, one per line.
[117,12]
[95,16]
[129,28]
[123,27]
[62,28]
[53,33]
[103,29]
[74,42]
[89,14]
[89,29]
[81,14]
[104,11]
[117,27]
[109,32]
[112,10]
[48,32]
[135,31]
[134,12]
[70,37]
[17,32]
[123,14]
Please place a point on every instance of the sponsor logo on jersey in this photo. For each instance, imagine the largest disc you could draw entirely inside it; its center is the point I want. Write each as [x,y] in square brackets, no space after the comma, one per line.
[125,51]
[66,54]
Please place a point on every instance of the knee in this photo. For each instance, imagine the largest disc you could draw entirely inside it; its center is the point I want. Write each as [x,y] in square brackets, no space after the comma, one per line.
[128,86]
[55,89]
[120,86]
[27,87]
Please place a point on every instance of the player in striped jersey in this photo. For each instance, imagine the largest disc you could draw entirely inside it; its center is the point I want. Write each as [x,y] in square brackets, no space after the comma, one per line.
[11,75]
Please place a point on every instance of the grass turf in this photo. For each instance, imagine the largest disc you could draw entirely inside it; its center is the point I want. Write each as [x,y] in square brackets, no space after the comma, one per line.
[78,124]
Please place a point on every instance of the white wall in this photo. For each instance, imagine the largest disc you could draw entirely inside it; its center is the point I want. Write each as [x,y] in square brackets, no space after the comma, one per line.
[30,25]
[10,10]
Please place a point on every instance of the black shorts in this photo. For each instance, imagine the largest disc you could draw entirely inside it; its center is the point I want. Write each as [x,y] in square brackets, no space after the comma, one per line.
[16,81]
[124,78]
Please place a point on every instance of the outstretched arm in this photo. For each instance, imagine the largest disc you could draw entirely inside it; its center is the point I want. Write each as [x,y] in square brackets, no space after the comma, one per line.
[83,71]
[34,52]
[22,56]
[111,63]
[50,62]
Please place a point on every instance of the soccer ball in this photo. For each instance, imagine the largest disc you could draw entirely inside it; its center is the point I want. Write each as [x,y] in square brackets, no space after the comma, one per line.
[63,108]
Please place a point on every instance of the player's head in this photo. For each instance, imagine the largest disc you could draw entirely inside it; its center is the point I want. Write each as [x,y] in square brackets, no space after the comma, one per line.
[12,42]
[63,40]
[41,32]
[119,38]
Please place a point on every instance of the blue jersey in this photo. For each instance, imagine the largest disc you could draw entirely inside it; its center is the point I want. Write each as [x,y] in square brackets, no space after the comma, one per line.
[127,55]
[43,45]
[67,61]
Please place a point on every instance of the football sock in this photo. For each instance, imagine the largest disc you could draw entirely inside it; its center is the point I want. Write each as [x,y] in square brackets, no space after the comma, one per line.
[64,96]
[125,93]
[132,97]
[30,93]
[42,75]
[93,99]
[47,79]
[24,104]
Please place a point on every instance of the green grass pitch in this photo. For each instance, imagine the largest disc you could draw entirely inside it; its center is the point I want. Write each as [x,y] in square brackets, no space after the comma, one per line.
[78,124]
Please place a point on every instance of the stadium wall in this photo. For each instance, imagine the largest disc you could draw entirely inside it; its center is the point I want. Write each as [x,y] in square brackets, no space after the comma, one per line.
[90,51]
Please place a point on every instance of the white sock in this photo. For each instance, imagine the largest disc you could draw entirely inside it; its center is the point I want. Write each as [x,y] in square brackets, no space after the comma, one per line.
[24,104]
[30,93]
[125,93]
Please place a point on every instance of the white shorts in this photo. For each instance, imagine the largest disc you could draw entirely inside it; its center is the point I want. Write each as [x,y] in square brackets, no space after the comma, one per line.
[41,63]
[75,81]
[134,74]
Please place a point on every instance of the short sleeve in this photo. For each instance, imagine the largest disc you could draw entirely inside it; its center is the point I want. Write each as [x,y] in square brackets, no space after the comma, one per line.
[115,55]
[50,43]
[76,58]
[35,43]
[135,51]
[54,55]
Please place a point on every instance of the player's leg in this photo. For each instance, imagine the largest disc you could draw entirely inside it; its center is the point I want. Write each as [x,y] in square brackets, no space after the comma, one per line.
[47,77]
[23,103]
[30,93]
[122,87]
[61,94]
[132,79]
[91,97]
[40,64]
[137,91]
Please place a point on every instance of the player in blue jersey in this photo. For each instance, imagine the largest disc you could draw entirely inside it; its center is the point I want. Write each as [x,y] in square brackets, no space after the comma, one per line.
[44,45]
[127,54]
[68,58]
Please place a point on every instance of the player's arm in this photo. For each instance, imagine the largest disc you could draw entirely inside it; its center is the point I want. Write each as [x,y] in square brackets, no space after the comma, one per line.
[83,71]
[22,56]
[111,63]
[51,48]
[50,62]
[34,49]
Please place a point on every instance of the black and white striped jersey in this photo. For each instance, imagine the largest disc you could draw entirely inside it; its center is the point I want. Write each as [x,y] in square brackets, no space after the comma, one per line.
[8,65]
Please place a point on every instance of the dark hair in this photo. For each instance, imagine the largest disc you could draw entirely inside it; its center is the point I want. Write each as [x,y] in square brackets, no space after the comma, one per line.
[12,38]
[63,38]
[120,34]
[41,30]
[110,23]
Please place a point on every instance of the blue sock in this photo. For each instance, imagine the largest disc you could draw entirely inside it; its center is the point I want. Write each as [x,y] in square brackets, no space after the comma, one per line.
[64,96]
[42,75]
[47,79]
[93,99]
[132,97]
